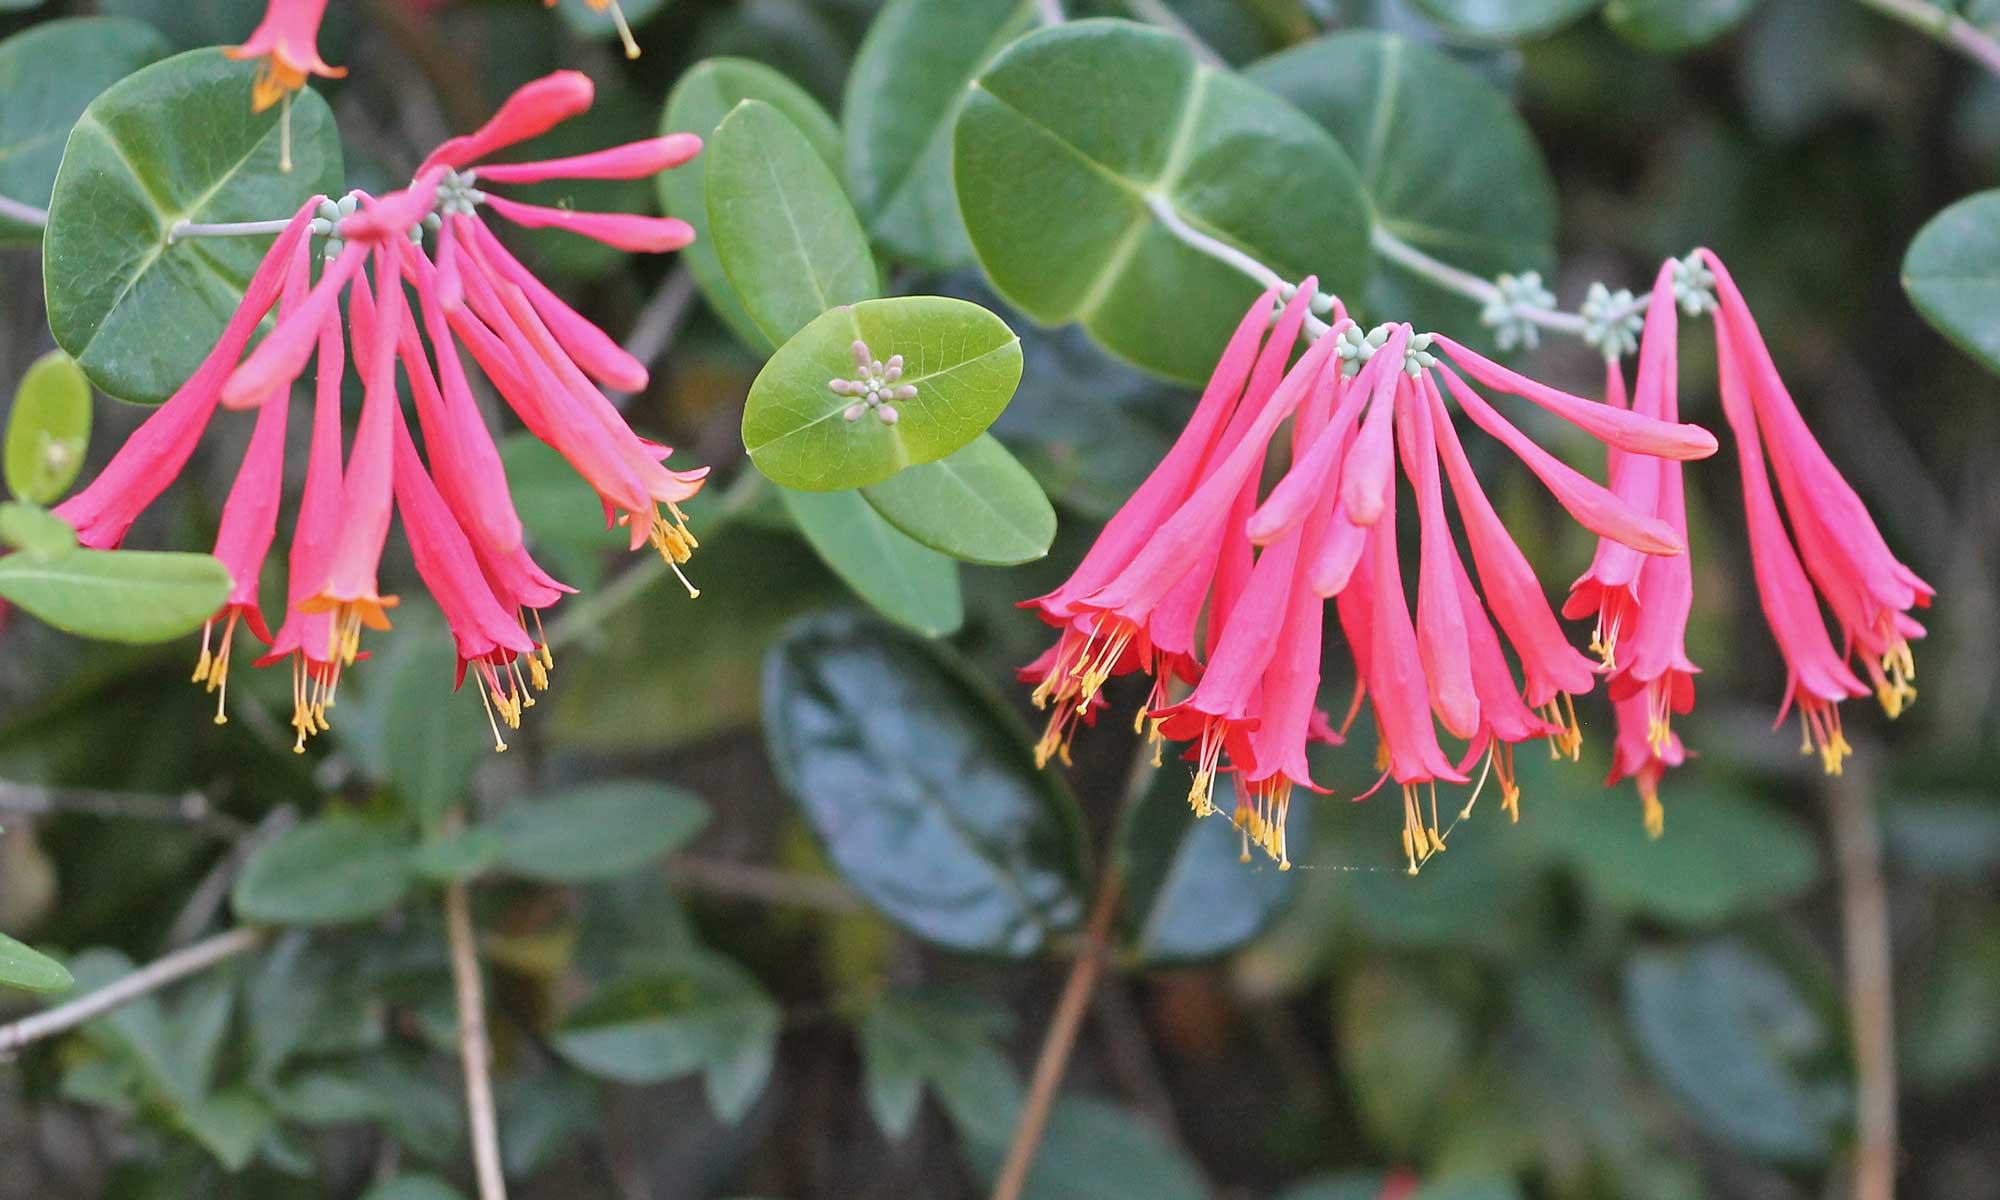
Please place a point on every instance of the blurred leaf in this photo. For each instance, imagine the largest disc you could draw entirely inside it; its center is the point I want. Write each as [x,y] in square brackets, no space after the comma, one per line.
[704,95]
[922,787]
[903,95]
[136,1033]
[49,72]
[432,741]
[1720,857]
[1728,1032]
[34,531]
[696,1012]
[912,585]
[1801,62]
[418,1112]
[1504,20]
[1093,1150]
[978,504]
[304,998]
[459,857]
[48,429]
[176,140]
[1402,1044]
[1448,165]
[1479,1187]
[542,1115]
[413,1187]
[592,21]
[1073,130]
[1348,1185]
[789,241]
[1952,273]
[1188,894]
[1948,838]
[1671,26]
[327,871]
[229,1125]
[944,1040]
[117,595]
[962,362]
[596,831]
[197,1025]
[1951,1038]
[616,117]
[23,967]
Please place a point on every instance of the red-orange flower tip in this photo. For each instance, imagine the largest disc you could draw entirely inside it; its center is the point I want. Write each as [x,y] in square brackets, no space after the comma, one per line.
[287,42]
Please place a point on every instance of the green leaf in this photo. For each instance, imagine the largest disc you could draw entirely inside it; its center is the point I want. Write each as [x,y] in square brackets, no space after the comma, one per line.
[962,362]
[30,969]
[1402,1045]
[1447,163]
[1098,1151]
[433,739]
[49,73]
[788,239]
[922,787]
[414,1187]
[1504,20]
[979,505]
[48,429]
[328,871]
[700,100]
[1729,1033]
[229,1125]
[596,831]
[1952,273]
[117,595]
[460,857]
[1671,26]
[1072,131]
[543,1114]
[692,1012]
[902,98]
[1348,1185]
[175,141]
[1188,891]
[942,1039]
[34,530]
[912,585]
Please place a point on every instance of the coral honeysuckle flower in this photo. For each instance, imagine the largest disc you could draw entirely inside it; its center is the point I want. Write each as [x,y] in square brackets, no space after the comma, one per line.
[617,18]
[1639,755]
[286,42]
[1846,561]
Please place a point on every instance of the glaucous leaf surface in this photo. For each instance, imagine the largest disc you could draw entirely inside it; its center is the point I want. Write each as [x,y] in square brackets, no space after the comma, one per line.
[117,595]
[977,505]
[702,97]
[175,141]
[1448,166]
[902,98]
[790,243]
[1073,132]
[48,429]
[1952,273]
[912,585]
[48,73]
[1671,26]
[596,831]
[963,362]
[921,787]
[1504,20]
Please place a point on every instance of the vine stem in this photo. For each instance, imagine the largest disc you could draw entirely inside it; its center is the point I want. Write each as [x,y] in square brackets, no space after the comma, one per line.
[1049,12]
[475,1049]
[1871,994]
[176,966]
[186,229]
[1944,25]
[1227,254]
[26,214]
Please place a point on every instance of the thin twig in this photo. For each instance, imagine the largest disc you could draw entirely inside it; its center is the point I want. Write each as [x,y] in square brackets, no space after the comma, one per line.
[475,1050]
[1944,25]
[742,881]
[1049,12]
[1871,995]
[1053,1061]
[175,966]
[207,897]
[658,323]
[26,214]
[189,808]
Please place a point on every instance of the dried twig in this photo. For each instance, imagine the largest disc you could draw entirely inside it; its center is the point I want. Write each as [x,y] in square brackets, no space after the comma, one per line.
[475,1049]
[175,966]
[1871,995]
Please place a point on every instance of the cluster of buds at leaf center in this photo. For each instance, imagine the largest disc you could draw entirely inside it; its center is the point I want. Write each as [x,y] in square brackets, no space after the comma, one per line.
[456,196]
[874,386]
[330,213]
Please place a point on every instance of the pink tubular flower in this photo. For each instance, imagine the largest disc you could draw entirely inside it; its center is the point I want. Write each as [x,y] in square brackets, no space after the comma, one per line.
[1869,591]
[1639,755]
[287,43]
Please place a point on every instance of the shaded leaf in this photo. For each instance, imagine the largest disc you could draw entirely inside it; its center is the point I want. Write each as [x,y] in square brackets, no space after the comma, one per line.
[327,871]
[944,1040]
[912,585]
[117,595]
[35,531]
[24,967]
[1670,26]
[1504,20]
[596,831]
[48,429]
[978,505]
[1093,1150]
[1189,894]
[1952,273]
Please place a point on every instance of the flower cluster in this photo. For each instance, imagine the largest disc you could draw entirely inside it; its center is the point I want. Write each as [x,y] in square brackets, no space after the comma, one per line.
[1217,589]
[465,536]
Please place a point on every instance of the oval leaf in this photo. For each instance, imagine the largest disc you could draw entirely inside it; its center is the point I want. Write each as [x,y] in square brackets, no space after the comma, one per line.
[1065,141]
[48,429]
[176,141]
[922,787]
[328,871]
[595,832]
[704,96]
[35,530]
[1189,893]
[960,366]
[788,239]
[912,585]
[1952,273]
[117,595]
[1671,26]
[49,73]
[1505,20]
[979,505]
[24,967]
[432,740]
[1448,164]
[902,97]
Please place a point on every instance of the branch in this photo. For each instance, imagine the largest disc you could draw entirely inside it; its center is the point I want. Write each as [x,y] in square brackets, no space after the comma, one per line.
[474,1048]
[192,807]
[26,214]
[175,966]
[1871,993]
[1944,25]
[742,881]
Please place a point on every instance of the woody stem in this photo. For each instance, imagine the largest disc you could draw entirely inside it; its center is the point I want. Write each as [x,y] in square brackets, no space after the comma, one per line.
[1472,287]
[1946,26]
